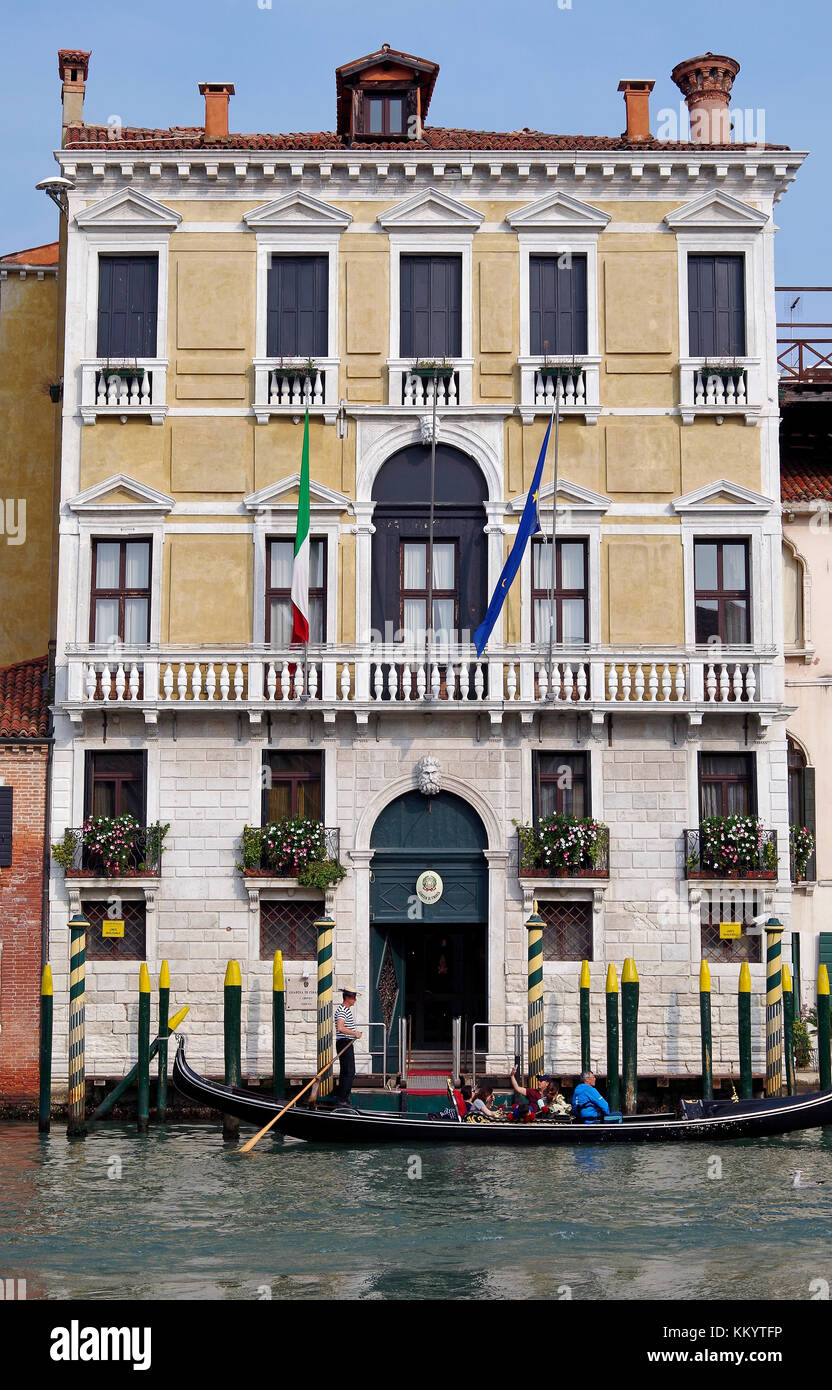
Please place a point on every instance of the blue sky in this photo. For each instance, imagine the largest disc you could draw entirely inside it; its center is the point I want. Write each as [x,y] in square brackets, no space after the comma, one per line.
[548,66]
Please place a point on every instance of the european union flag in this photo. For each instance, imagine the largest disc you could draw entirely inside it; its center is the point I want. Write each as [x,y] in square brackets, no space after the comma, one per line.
[529,524]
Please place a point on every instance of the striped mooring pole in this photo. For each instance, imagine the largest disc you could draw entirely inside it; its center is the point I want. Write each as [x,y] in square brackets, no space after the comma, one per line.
[77,1078]
[278,1027]
[613,1083]
[534,926]
[143,1096]
[629,1029]
[744,1023]
[164,1005]
[824,1063]
[774,1008]
[45,1097]
[788,1028]
[324,928]
[705,1022]
[232,1011]
[586,1062]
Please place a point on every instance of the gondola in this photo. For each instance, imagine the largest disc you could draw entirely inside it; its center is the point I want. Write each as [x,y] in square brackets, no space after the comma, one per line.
[332,1123]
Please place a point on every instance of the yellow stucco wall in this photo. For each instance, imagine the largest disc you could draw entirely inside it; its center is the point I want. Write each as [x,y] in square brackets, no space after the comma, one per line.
[28,326]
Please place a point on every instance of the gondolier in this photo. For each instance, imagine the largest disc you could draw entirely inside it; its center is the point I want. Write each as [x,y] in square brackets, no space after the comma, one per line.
[346,1034]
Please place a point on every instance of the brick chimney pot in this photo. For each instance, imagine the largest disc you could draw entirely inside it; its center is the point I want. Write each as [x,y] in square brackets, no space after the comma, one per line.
[705,82]
[216,95]
[637,104]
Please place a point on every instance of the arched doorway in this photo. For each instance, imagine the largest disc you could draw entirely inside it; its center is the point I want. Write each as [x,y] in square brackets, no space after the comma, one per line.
[428,960]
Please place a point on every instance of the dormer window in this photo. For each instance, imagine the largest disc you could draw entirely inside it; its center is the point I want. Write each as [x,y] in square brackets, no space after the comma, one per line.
[385,115]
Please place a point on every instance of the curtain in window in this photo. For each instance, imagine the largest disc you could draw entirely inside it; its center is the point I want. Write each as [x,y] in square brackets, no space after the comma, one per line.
[107,554]
[572,565]
[282,556]
[443,565]
[137,569]
[415,566]
[280,620]
[106,619]
[792,598]
[135,620]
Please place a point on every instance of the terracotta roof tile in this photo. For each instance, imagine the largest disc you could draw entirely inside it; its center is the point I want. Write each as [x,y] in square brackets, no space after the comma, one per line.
[805,482]
[434,138]
[35,255]
[24,712]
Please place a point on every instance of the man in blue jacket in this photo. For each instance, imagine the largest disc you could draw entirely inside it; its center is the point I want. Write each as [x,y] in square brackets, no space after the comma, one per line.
[588,1104]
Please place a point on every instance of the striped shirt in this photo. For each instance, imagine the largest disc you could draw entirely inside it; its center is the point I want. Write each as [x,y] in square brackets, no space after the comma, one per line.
[345,1014]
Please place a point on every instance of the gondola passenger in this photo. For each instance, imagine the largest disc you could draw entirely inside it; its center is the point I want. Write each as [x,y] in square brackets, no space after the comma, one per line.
[482,1103]
[588,1105]
[538,1099]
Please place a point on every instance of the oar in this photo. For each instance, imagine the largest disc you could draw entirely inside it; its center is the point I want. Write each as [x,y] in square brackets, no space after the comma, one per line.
[249,1144]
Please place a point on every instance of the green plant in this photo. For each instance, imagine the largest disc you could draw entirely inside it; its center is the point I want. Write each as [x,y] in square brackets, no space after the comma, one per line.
[770,856]
[321,873]
[64,850]
[562,843]
[154,845]
[529,845]
[251,848]
[727,843]
[801,845]
[802,1043]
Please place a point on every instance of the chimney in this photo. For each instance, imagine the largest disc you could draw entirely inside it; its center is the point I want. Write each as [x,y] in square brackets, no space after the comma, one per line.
[637,103]
[216,107]
[705,83]
[73,66]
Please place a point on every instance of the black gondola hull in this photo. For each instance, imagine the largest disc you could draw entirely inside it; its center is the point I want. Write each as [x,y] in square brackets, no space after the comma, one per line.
[346,1125]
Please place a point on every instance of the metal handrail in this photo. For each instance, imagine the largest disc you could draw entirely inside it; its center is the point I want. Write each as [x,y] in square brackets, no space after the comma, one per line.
[519,1045]
[371,1049]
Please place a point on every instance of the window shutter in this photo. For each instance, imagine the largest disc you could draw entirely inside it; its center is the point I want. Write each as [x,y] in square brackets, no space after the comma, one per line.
[6,803]
[716,306]
[127,306]
[430,317]
[297,315]
[558,306]
[809,814]
[825,940]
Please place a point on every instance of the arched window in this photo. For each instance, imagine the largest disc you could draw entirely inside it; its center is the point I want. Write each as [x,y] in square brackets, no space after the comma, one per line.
[801,797]
[793,630]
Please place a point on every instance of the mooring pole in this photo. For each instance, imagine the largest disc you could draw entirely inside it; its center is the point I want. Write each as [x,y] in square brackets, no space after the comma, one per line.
[774,1008]
[118,1091]
[278,1027]
[744,1022]
[143,1099]
[324,928]
[824,1063]
[534,926]
[232,1009]
[77,1078]
[629,1028]
[586,1062]
[613,1083]
[46,1005]
[164,1004]
[788,1028]
[705,1024]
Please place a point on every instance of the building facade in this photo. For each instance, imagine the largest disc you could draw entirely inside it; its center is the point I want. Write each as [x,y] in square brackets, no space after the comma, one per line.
[216,285]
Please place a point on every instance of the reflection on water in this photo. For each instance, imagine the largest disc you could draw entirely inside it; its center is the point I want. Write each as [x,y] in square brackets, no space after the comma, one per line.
[190,1217]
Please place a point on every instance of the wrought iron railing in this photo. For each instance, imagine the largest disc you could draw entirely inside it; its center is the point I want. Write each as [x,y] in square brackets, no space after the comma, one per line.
[332,854]
[758,861]
[588,862]
[134,850]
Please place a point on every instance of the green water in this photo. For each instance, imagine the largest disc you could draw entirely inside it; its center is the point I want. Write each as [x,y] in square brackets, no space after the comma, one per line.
[190,1217]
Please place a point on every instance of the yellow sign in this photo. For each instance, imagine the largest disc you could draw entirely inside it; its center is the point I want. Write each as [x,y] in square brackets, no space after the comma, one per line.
[729,931]
[109,928]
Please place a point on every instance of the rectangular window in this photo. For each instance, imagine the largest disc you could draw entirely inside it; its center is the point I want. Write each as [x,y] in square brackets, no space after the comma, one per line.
[384,115]
[290,927]
[120,596]
[721,591]
[570,594]
[726,784]
[297,318]
[131,946]
[128,301]
[115,784]
[292,786]
[557,305]
[561,784]
[431,306]
[6,824]
[413,590]
[279,561]
[567,931]
[716,306]
[732,950]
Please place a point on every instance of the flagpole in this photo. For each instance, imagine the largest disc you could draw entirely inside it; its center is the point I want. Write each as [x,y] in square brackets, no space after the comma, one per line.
[550,693]
[429,628]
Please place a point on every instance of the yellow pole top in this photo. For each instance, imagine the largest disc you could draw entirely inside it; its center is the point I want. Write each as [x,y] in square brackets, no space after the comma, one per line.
[144,979]
[745,978]
[173,1023]
[704,978]
[823,980]
[232,973]
[278,983]
[612,979]
[629,975]
[46,982]
[585,975]
[787,978]
[164,976]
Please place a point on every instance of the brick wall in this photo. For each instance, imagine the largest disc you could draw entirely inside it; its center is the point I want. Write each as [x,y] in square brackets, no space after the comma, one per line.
[23,769]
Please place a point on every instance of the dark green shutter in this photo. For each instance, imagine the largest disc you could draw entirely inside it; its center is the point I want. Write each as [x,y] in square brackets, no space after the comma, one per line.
[825,958]
[809,817]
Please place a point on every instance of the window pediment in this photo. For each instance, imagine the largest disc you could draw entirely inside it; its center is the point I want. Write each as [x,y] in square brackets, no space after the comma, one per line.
[430,211]
[722,496]
[578,500]
[557,212]
[120,494]
[716,212]
[283,495]
[128,210]
[298,212]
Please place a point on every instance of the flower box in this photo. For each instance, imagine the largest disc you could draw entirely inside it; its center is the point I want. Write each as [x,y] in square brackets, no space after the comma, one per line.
[433,371]
[560,370]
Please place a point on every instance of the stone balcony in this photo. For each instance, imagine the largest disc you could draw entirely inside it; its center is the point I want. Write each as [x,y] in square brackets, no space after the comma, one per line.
[124,389]
[720,390]
[391,678]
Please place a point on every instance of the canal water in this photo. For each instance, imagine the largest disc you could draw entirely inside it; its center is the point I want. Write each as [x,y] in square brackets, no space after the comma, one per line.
[177,1213]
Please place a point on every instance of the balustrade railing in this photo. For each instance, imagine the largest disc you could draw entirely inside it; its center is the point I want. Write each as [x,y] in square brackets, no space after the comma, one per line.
[282,386]
[707,388]
[134,388]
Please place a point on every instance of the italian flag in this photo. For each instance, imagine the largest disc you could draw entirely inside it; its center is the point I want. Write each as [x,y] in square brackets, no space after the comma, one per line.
[300,568]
